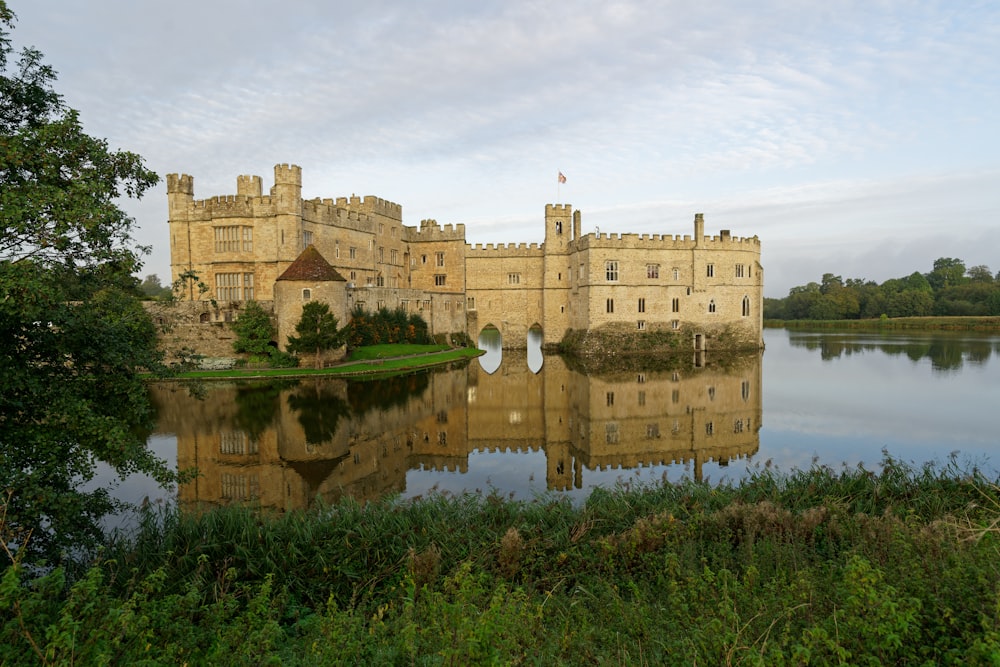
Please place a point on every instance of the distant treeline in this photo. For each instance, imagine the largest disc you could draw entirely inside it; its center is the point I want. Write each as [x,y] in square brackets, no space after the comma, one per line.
[948,290]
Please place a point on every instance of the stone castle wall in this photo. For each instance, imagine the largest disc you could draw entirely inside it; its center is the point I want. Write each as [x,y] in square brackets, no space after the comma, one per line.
[692,283]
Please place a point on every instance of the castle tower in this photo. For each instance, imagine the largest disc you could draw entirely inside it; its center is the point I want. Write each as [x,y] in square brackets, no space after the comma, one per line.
[180,193]
[287,190]
[556,273]
[249,186]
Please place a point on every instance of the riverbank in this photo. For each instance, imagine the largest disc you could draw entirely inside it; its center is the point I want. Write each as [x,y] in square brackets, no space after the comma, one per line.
[889,566]
[990,324]
[374,361]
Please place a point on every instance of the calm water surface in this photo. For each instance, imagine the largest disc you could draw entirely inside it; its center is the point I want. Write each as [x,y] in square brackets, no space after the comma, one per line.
[520,424]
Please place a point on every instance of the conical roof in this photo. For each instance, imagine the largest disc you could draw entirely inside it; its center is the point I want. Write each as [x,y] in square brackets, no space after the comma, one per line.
[310,266]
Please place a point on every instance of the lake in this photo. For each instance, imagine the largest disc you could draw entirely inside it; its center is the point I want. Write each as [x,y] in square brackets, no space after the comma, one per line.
[520,424]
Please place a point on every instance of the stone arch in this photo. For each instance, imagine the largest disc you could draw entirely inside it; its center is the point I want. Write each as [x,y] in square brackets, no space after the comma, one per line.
[490,340]
[533,347]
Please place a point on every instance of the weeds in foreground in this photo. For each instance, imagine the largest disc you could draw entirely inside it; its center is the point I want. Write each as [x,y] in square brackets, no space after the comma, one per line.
[813,567]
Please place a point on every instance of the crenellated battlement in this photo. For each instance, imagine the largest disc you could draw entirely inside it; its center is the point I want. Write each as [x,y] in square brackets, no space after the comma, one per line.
[430,230]
[249,186]
[501,250]
[288,174]
[180,184]
[665,242]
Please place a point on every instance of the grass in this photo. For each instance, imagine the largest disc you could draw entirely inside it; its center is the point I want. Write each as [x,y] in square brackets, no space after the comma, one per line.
[820,566]
[377,360]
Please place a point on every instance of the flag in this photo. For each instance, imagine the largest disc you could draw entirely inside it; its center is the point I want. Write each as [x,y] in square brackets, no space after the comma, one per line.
[562,179]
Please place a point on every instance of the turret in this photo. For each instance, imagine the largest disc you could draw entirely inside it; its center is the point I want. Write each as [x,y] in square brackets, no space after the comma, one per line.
[180,193]
[249,186]
[557,226]
[287,190]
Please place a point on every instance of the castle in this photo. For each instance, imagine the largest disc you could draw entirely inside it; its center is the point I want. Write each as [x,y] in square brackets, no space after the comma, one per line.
[251,246]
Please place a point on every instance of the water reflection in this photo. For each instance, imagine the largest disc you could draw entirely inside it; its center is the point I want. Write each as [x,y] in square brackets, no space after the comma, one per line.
[517,430]
[946,351]
[535,358]
[489,340]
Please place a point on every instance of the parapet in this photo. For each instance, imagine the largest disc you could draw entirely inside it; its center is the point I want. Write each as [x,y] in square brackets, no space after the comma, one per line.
[285,174]
[430,230]
[180,184]
[249,186]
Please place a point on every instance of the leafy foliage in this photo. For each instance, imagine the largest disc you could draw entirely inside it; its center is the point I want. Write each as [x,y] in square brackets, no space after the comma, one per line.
[948,289]
[385,326]
[73,336]
[317,332]
[254,330]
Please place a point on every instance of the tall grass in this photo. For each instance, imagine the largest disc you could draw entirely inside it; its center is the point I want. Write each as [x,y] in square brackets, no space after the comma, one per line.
[820,566]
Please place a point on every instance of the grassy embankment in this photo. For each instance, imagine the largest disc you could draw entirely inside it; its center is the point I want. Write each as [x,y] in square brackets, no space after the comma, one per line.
[987,324]
[821,566]
[375,360]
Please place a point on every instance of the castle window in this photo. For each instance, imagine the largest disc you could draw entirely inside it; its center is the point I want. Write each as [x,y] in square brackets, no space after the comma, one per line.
[381,228]
[380,305]
[642,305]
[711,393]
[675,305]
[675,324]
[472,303]
[380,280]
[640,378]
[611,305]
[392,232]
[746,306]
[745,389]
[641,398]
[423,259]
[336,250]
[711,306]
[709,428]
[737,426]
[381,255]
[610,398]
[558,226]
[439,279]
[233,239]
[404,304]
[611,270]
[513,278]
[307,239]
[611,433]
[354,276]
[353,252]
[710,270]
[394,257]
[652,271]
[581,272]
[677,274]
[306,294]
[739,270]
[675,395]
[641,325]
[439,258]
[652,431]
[234,286]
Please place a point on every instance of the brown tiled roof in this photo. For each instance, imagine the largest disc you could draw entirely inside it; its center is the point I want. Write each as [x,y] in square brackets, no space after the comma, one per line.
[310,266]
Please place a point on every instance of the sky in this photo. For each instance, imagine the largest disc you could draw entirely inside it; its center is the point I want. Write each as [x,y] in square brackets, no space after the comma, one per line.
[854,138]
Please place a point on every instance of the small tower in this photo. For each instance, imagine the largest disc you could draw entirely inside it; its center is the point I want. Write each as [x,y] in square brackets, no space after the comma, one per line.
[558,232]
[249,186]
[180,193]
[287,190]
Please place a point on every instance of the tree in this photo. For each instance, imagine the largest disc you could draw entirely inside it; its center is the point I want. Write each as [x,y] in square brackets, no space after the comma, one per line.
[254,331]
[947,272]
[73,336]
[317,332]
[152,289]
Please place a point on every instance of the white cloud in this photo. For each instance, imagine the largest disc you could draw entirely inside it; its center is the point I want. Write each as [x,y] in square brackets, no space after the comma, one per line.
[858,138]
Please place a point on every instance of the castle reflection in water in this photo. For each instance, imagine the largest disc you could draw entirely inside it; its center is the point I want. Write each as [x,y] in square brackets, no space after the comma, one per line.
[285,444]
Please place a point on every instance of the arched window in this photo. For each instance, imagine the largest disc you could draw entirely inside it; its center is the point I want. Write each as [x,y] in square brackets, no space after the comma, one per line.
[711,306]
[204,318]
[746,306]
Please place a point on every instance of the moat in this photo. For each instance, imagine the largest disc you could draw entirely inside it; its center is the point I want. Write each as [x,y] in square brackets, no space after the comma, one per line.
[533,425]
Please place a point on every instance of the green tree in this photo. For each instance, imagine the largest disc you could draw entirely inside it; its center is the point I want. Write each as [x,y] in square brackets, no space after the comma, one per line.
[317,332]
[947,272]
[73,336]
[151,288]
[254,331]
